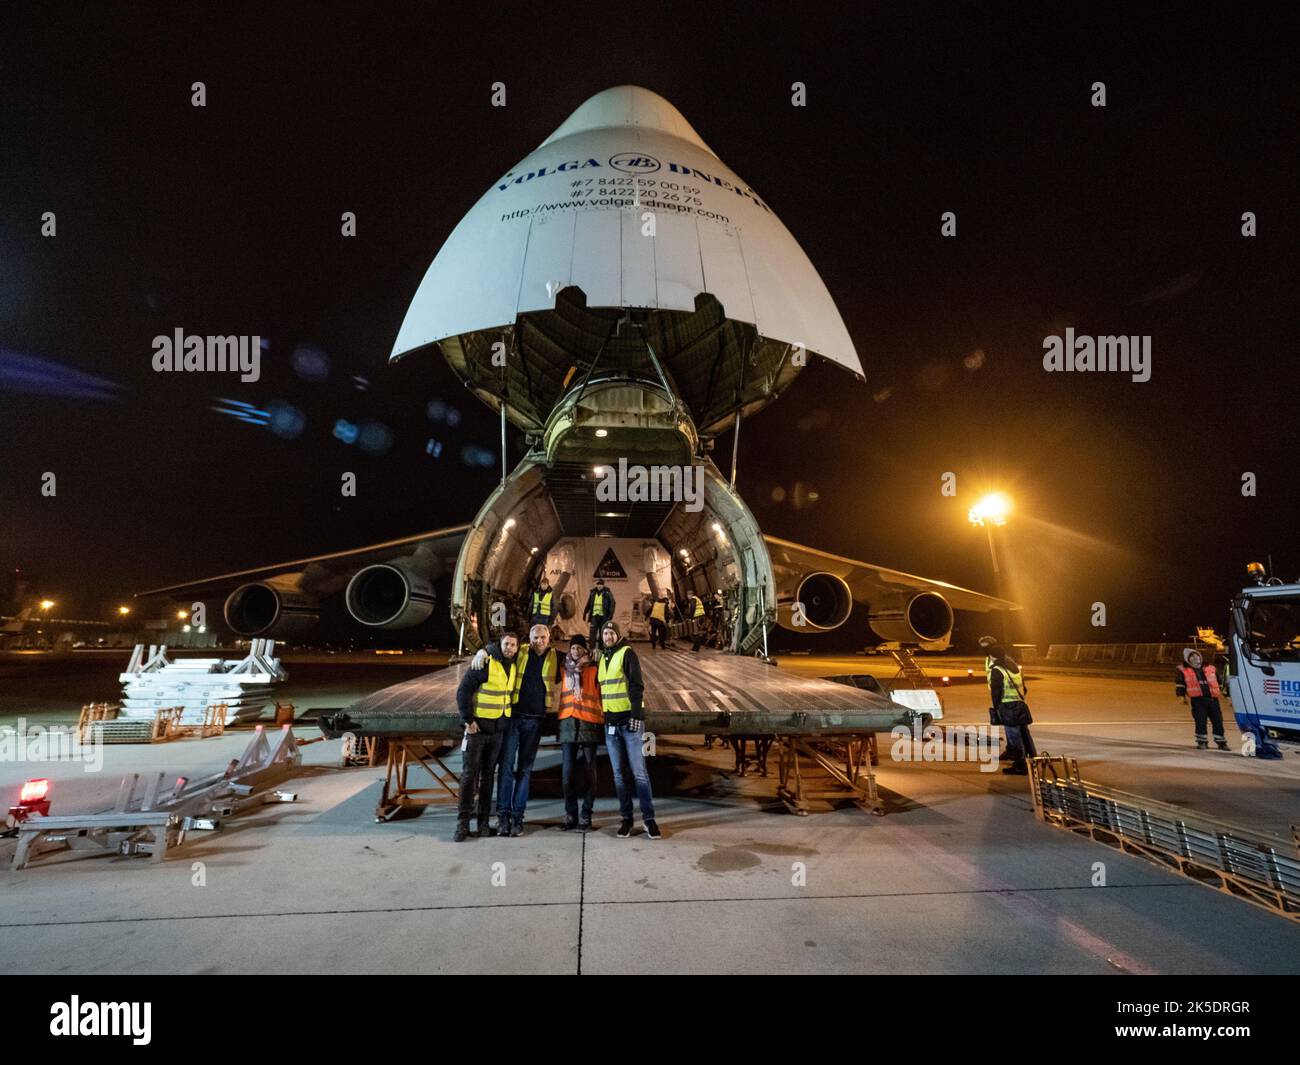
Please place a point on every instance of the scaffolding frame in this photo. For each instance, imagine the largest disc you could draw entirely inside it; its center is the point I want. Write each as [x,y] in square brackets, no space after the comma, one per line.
[848,760]
[428,753]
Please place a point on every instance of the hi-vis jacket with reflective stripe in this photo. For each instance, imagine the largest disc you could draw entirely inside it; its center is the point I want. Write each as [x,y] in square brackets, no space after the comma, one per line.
[542,604]
[621,686]
[1191,683]
[497,694]
[585,703]
[1010,681]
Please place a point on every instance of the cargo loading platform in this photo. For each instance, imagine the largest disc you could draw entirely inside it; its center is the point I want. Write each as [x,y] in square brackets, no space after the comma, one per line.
[823,730]
[685,692]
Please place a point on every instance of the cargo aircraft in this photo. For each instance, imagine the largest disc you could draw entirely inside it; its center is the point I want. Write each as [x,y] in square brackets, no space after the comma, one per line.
[621,297]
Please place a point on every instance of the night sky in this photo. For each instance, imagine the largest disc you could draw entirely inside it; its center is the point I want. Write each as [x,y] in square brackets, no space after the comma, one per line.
[225,219]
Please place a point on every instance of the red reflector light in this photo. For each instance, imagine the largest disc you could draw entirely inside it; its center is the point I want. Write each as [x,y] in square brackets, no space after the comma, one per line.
[34,791]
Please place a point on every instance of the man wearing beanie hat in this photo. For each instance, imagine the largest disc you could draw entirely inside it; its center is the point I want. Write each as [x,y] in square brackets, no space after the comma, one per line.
[621,693]
[580,720]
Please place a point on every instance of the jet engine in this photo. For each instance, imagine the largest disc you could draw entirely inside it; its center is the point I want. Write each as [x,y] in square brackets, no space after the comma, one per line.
[266,608]
[925,618]
[827,603]
[389,595]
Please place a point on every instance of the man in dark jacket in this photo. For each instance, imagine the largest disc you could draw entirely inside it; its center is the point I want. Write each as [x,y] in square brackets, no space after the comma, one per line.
[536,677]
[1007,690]
[621,692]
[1200,683]
[599,609]
[484,698]
[580,721]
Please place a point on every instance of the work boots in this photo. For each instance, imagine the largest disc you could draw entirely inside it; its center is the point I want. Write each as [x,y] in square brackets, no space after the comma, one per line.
[1222,745]
[1202,745]
[462,834]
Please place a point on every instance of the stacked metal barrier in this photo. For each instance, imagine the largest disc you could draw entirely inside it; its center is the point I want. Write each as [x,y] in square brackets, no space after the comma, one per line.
[1262,868]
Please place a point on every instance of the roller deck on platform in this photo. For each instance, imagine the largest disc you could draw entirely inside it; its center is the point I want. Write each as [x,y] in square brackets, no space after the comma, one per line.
[686,692]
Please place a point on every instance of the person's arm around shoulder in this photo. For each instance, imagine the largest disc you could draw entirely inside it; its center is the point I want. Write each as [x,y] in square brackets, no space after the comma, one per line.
[465,691]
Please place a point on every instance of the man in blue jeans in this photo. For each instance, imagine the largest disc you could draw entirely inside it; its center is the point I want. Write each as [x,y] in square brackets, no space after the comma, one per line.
[535,679]
[621,694]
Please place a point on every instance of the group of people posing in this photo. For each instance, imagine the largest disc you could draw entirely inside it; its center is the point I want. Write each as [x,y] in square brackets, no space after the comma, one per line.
[504,698]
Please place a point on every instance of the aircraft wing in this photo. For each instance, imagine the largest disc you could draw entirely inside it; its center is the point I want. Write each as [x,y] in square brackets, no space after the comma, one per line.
[869,582]
[387,585]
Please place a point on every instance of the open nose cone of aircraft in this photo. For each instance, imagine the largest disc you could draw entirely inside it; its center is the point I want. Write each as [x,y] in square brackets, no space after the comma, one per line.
[625,208]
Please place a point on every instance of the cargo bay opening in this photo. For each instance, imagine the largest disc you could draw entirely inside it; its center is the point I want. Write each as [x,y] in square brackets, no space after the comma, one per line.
[570,512]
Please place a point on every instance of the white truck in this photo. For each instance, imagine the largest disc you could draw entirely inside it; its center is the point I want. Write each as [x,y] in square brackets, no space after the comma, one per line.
[1264,663]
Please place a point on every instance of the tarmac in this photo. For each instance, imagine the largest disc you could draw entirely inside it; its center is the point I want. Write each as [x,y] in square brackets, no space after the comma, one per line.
[957,877]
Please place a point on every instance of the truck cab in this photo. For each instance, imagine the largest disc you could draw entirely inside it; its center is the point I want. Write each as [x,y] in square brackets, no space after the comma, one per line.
[1264,657]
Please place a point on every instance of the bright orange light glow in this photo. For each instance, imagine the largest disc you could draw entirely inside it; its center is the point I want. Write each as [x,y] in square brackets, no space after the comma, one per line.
[46,604]
[993,509]
[124,610]
[181,615]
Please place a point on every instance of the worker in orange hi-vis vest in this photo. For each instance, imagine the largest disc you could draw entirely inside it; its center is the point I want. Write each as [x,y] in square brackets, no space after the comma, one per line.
[580,717]
[1199,683]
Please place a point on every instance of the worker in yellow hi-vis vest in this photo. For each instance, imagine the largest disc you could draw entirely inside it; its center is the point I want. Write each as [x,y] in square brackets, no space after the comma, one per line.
[543,611]
[485,699]
[622,692]
[599,609]
[659,622]
[695,611]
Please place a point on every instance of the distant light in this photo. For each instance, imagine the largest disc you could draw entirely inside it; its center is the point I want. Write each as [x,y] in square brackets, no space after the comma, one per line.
[46,604]
[203,628]
[602,433]
[510,523]
[473,455]
[599,471]
[182,614]
[285,420]
[375,438]
[185,628]
[311,364]
[946,680]
[124,610]
[993,509]
[970,673]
